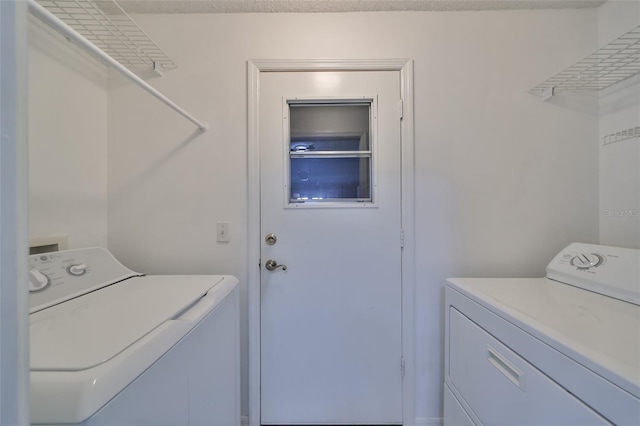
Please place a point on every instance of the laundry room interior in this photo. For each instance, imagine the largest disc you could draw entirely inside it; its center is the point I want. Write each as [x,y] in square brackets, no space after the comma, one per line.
[504,175]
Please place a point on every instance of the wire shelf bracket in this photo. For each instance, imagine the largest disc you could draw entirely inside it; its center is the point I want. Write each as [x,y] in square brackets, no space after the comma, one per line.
[87,45]
[609,65]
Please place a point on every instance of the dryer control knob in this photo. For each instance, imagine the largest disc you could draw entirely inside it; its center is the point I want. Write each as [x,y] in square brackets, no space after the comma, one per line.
[37,280]
[586,260]
[77,270]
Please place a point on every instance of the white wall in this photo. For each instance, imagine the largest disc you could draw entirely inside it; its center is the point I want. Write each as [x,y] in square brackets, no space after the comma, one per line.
[619,162]
[67,140]
[503,180]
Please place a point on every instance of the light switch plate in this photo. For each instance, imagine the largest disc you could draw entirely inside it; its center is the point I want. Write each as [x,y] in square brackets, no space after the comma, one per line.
[222,232]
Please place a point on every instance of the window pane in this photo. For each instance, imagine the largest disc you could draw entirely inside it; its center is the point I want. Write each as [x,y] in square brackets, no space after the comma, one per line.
[330,153]
[329,127]
[327,179]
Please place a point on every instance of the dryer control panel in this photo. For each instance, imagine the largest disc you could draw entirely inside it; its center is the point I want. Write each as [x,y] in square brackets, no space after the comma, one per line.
[611,271]
[62,275]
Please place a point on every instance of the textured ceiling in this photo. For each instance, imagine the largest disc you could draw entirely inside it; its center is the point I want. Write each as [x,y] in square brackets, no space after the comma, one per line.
[319,6]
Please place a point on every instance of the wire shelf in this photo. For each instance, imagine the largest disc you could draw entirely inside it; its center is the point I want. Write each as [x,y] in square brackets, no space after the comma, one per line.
[611,64]
[105,24]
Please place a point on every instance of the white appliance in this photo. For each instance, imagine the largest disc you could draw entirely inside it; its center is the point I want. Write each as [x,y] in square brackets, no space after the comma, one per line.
[110,346]
[560,350]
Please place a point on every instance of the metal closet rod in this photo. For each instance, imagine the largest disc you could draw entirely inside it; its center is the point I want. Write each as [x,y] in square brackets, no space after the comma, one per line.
[73,36]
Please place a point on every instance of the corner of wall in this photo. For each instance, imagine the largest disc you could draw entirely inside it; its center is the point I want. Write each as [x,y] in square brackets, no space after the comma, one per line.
[619,156]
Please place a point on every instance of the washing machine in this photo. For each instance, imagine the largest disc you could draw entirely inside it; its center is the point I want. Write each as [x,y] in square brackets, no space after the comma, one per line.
[559,350]
[110,346]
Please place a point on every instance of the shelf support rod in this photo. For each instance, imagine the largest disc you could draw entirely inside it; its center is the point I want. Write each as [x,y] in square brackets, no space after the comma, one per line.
[73,36]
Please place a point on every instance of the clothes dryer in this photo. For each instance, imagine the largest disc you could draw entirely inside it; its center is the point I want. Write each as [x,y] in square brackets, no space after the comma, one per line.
[559,350]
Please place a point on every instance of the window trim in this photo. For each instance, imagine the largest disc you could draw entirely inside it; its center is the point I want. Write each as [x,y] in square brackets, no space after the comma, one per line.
[372,101]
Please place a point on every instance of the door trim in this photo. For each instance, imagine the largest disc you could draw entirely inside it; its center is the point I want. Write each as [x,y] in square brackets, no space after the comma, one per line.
[14,213]
[254,70]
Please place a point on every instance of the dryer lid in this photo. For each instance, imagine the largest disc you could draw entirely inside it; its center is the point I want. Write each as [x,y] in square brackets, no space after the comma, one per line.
[89,330]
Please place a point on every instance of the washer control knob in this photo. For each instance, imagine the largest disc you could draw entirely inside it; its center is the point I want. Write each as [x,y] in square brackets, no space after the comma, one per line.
[586,260]
[77,270]
[37,280]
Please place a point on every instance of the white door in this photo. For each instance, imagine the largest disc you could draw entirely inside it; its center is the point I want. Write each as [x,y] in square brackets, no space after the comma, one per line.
[331,349]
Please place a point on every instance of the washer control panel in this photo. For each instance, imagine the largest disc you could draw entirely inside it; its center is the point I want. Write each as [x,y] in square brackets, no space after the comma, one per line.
[62,275]
[586,260]
[611,271]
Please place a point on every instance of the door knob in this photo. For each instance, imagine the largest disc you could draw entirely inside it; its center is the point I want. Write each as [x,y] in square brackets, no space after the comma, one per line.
[272,265]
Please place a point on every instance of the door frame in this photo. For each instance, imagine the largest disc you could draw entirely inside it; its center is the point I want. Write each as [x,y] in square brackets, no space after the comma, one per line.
[255,68]
[14,214]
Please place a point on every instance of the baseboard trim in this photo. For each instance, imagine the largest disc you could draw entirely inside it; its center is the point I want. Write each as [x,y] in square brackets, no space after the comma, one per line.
[433,421]
[429,421]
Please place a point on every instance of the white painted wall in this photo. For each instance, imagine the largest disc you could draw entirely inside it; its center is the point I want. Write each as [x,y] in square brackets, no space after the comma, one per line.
[619,162]
[67,140]
[503,180]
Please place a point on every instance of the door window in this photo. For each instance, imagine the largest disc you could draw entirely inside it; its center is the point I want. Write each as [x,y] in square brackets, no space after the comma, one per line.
[330,155]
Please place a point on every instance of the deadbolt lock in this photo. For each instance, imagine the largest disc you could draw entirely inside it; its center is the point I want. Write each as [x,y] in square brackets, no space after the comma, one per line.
[270,239]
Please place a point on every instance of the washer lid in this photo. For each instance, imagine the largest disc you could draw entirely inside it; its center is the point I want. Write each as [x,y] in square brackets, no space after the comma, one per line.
[89,330]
